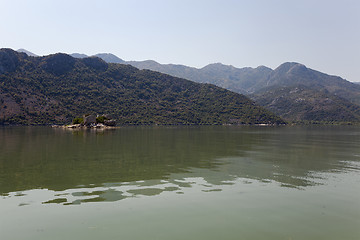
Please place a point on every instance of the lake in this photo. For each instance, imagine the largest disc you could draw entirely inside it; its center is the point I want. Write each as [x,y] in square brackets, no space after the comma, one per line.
[180,183]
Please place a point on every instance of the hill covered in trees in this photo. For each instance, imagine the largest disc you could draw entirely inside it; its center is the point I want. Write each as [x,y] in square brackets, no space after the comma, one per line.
[266,87]
[255,80]
[56,88]
[303,104]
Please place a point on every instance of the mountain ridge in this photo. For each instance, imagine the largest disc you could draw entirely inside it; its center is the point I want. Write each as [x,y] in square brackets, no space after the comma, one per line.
[56,88]
[262,80]
[27,52]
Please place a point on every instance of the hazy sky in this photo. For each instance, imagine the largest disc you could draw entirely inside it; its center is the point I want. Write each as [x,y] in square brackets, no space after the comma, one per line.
[322,34]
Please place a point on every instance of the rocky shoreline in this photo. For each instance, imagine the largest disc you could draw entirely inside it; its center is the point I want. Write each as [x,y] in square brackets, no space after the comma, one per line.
[81,126]
[90,121]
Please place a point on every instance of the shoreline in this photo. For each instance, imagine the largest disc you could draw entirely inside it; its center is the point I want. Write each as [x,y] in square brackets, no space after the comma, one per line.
[99,126]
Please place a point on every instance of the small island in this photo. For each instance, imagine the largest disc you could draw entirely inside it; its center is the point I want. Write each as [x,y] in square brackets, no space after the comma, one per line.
[91,121]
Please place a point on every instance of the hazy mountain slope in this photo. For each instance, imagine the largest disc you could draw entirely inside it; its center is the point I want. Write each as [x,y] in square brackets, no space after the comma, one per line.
[217,73]
[257,81]
[235,79]
[248,80]
[27,52]
[264,85]
[78,55]
[251,80]
[109,58]
[290,74]
[301,103]
[58,87]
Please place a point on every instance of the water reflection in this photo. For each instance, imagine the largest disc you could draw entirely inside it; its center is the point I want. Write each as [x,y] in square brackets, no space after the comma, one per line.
[111,192]
[90,166]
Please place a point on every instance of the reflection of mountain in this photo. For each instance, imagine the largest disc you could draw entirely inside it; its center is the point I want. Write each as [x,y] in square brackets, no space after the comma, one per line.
[295,156]
[111,192]
[88,166]
[58,160]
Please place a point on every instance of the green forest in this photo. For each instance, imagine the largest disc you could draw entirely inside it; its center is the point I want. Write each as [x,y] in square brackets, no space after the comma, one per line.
[57,88]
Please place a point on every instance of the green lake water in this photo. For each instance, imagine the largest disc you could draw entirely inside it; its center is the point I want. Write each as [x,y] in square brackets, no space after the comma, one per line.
[180,183]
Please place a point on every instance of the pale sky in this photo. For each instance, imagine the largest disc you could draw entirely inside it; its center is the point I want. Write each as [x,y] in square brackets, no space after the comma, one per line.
[321,34]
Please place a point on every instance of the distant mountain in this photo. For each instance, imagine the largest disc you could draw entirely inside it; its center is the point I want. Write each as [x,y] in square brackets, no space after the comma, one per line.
[290,74]
[109,58]
[263,85]
[27,52]
[262,80]
[56,88]
[252,80]
[221,75]
[78,55]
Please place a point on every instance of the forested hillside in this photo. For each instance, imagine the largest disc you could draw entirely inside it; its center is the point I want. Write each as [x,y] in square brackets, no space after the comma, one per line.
[274,89]
[267,86]
[301,103]
[57,88]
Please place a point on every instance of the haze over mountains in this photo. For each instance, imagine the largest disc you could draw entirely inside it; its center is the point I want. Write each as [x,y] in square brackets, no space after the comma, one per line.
[268,87]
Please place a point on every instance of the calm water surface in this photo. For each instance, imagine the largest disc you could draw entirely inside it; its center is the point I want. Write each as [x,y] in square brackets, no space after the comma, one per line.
[180,183]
